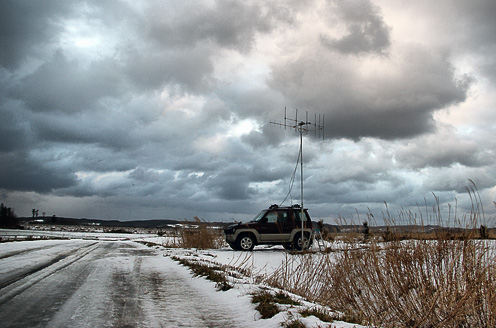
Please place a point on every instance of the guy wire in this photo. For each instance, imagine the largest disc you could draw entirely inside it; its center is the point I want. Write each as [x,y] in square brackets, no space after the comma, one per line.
[291,182]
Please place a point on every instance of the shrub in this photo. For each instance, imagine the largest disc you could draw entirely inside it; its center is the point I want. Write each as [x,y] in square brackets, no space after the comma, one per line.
[200,235]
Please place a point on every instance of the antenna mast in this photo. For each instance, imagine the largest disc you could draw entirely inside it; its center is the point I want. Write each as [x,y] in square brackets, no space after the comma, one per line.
[302,126]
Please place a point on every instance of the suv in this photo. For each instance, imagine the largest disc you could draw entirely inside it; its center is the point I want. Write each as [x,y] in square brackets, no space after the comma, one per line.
[275,225]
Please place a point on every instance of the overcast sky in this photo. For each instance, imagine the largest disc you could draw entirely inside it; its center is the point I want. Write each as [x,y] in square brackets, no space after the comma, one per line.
[162,109]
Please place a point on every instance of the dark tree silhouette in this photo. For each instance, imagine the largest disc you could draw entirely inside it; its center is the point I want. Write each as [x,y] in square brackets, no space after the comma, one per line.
[7,217]
[366,229]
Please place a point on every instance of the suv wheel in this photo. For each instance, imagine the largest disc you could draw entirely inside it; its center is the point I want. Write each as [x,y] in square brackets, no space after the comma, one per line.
[302,243]
[245,242]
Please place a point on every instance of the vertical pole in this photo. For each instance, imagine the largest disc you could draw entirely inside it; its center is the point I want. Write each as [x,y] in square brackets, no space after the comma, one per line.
[301,183]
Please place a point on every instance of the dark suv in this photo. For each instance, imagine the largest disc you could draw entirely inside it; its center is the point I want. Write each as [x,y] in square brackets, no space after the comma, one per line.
[275,225]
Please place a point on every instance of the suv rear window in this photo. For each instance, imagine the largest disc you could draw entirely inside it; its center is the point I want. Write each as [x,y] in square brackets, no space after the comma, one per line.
[297,215]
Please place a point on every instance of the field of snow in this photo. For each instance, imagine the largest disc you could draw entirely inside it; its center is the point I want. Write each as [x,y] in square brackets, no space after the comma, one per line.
[126,280]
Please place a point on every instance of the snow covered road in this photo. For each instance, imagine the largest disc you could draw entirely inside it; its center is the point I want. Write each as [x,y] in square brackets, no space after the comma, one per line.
[91,283]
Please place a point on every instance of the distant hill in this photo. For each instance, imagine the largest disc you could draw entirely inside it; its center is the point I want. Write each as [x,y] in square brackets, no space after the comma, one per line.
[104,223]
[162,224]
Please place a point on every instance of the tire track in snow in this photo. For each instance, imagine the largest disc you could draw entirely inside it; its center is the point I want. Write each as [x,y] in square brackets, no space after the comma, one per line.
[113,284]
[31,276]
[24,251]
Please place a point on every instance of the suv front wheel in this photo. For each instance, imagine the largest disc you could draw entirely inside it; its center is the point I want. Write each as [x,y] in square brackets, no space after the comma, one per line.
[245,242]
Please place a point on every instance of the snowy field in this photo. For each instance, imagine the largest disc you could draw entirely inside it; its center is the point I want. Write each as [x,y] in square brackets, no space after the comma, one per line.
[114,280]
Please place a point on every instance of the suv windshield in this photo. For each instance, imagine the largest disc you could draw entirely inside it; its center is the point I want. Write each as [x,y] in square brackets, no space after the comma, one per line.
[259,216]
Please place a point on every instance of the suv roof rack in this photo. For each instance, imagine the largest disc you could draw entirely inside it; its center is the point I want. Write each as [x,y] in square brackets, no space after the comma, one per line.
[275,206]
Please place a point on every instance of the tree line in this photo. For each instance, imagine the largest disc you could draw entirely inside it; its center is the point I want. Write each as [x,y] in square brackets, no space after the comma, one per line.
[7,217]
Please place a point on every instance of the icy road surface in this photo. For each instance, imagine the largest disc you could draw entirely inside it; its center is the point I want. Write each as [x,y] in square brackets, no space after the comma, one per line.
[91,283]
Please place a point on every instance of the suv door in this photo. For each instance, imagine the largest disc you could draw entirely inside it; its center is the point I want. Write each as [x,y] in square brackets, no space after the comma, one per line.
[285,224]
[274,226]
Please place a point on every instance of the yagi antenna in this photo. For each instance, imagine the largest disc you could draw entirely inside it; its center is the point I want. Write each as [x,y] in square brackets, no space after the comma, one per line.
[303,127]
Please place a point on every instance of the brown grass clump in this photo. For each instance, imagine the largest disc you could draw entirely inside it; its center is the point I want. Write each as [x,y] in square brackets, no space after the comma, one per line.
[446,281]
[212,273]
[265,304]
[200,235]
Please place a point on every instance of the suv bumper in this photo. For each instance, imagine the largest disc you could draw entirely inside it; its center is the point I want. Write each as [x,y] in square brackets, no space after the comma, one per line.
[230,238]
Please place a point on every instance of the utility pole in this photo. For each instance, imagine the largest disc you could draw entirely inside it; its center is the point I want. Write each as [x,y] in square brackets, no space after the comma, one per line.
[302,126]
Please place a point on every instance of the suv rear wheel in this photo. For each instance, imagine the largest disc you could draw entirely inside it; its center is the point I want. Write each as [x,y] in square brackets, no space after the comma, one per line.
[245,242]
[302,243]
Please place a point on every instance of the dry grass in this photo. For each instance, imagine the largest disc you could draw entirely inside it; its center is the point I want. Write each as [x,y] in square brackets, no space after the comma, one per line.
[447,280]
[212,273]
[267,302]
[200,235]
[442,283]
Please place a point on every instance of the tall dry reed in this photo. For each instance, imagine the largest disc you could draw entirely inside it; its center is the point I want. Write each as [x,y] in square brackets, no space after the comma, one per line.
[442,282]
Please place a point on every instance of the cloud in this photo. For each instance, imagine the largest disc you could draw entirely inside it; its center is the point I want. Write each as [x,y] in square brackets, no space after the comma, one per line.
[163,109]
[443,149]
[190,69]
[366,31]
[22,172]
[388,98]
[62,85]
[228,24]
[26,28]
[14,133]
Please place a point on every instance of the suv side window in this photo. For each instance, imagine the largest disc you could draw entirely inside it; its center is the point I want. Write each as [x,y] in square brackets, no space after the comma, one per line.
[282,218]
[298,214]
[271,217]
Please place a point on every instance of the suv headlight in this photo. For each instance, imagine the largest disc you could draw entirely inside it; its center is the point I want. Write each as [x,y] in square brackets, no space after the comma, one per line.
[230,230]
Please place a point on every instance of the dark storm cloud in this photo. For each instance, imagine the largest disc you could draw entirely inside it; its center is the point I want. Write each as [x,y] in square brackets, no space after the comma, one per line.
[366,30]
[62,85]
[98,129]
[162,109]
[22,172]
[14,131]
[396,102]
[27,26]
